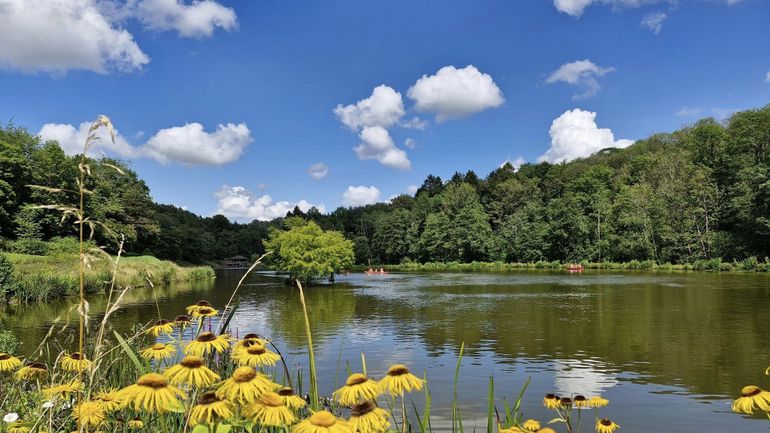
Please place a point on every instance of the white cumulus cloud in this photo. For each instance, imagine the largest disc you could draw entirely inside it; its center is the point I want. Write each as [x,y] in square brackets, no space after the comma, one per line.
[580,73]
[239,204]
[318,171]
[452,92]
[376,143]
[515,163]
[654,21]
[198,19]
[410,143]
[360,195]
[383,108]
[72,140]
[412,189]
[575,134]
[767,77]
[191,144]
[414,123]
[572,7]
[58,35]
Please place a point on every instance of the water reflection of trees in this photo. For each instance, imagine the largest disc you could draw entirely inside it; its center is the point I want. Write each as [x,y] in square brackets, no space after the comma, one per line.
[711,340]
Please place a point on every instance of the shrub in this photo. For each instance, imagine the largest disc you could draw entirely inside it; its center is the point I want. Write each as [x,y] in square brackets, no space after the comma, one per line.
[34,247]
[7,280]
[67,245]
[8,342]
[749,264]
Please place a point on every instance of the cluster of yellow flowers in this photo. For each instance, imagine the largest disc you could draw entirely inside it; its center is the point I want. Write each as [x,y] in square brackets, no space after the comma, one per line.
[190,386]
[564,407]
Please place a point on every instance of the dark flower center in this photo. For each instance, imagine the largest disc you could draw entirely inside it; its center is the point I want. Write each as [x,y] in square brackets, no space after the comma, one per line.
[256,350]
[244,374]
[203,304]
[750,391]
[605,422]
[551,396]
[38,366]
[153,380]
[192,362]
[162,322]
[251,336]
[183,318]
[356,379]
[4,356]
[362,409]
[76,356]
[286,392]
[206,337]
[566,401]
[580,398]
[208,398]
[205,311]
[398,371]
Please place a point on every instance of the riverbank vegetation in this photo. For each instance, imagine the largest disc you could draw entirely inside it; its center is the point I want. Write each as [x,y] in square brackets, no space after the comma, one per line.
[40,278]
[697,194]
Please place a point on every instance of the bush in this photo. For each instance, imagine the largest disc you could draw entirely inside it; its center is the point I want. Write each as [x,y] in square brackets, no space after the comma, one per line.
[68,245]
[749,264]
[8,342]
[42,287]
[34,247]
[7,280]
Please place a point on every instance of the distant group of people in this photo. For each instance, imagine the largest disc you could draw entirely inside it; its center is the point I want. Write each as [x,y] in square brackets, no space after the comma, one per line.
[371,271]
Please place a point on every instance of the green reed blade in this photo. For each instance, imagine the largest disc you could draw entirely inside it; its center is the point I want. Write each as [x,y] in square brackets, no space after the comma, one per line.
[491,406]
[126,348]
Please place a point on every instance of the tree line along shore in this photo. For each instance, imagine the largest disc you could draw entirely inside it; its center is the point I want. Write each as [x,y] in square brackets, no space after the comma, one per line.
[696,198]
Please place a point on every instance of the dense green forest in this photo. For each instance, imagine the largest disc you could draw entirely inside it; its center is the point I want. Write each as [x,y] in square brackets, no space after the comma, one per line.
[701,192]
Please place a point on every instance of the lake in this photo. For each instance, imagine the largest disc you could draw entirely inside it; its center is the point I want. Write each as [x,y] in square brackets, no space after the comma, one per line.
[669,350]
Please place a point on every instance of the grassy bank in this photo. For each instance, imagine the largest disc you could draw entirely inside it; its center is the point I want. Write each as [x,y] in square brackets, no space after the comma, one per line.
[712,265]
[40,278]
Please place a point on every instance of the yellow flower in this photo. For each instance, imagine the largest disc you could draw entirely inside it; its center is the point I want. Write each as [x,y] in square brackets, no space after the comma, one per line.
[63,389]
[752,397]
[598,402]
[368,418]
[160,327]
[255,355]
[204,312]
[9,362]
[193,308]
[74,361]
[159,351]
[357,388]
[580,401]
[210,409]
[531,425]
[151,393]
[136,423]
[35,370]
[399,380]
[512,429]
[89,413]
[291,400]
[551,401]
[322,422]
[191,371]
[546,430]
[246,386]
[110,399]
[207,343]
[269,410]
[606,426]
[19,427]
[565,402]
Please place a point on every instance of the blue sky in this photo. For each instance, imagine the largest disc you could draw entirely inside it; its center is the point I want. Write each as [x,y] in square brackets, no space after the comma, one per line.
[488,81]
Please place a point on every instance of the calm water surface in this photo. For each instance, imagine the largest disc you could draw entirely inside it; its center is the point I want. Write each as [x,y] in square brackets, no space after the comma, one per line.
[668,350]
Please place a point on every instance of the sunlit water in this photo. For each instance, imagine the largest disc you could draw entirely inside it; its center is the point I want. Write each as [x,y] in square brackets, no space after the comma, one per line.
[669,350]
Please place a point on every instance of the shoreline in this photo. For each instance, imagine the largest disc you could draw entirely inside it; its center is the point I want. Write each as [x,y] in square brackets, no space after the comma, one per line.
[43,278]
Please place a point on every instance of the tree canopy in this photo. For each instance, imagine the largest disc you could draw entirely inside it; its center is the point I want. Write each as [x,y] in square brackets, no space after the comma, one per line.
[305,251]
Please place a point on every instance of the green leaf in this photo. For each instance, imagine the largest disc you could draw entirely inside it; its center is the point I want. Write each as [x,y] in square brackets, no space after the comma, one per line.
[130,353]
[221,428]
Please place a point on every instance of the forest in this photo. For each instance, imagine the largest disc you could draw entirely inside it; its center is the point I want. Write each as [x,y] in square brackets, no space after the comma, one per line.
[701,192]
